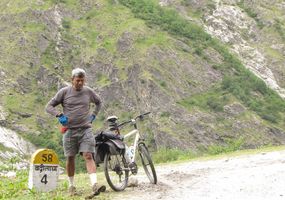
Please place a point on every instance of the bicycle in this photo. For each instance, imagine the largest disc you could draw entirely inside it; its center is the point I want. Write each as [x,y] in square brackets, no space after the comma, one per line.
[117,166]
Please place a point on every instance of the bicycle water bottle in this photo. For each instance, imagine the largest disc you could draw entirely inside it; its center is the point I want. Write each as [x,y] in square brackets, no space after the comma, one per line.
[131,152]
[132,165]
[127,154]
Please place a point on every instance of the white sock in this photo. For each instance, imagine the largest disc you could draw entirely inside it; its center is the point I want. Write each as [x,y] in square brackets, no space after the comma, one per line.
[70,181]
[93,178]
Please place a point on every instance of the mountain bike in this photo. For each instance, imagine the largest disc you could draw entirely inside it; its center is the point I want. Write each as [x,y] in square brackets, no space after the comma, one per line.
[118,163]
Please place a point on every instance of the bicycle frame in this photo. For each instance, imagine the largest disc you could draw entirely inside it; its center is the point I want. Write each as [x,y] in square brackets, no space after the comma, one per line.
[135,143]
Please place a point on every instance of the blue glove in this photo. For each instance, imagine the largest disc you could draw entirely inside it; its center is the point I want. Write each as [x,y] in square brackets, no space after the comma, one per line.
[63,119]
[92,118]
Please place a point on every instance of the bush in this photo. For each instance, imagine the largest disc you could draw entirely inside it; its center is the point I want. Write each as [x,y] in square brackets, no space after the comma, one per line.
[66,24]
[215,104]
[230,146]
[164,155]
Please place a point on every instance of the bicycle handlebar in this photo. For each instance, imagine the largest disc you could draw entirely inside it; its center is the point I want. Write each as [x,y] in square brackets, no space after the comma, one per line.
[141,116]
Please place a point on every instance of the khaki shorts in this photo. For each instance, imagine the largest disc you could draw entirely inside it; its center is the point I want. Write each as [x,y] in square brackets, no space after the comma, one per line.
[78,140]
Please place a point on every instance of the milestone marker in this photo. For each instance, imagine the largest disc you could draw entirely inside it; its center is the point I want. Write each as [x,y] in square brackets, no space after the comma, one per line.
[44,170]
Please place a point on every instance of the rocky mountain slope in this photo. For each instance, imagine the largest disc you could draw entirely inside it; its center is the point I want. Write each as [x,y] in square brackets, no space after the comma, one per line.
[254,31]
[149,56]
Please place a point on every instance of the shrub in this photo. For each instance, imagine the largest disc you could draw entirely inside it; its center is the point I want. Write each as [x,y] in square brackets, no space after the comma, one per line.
[230,146]
[164,155]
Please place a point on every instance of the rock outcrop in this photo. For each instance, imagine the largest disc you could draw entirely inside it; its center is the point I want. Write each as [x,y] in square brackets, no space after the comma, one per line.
[14,144]
[232,25]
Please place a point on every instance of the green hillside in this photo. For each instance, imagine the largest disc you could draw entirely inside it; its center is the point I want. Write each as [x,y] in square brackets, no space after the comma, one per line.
[139,57]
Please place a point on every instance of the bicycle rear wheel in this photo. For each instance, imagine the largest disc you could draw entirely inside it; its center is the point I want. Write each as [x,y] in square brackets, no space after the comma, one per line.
[115,171]
[147,163]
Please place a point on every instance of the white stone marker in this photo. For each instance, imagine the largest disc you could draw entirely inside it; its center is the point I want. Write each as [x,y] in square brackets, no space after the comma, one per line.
[44,170]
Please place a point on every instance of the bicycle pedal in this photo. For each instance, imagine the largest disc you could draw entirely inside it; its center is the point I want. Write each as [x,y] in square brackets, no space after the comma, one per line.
[134,168]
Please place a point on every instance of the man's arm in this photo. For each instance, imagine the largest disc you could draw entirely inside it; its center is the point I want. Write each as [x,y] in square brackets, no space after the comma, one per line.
[96,99]
[56,100]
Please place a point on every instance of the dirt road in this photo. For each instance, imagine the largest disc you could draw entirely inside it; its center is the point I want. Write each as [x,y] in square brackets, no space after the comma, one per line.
[260,176]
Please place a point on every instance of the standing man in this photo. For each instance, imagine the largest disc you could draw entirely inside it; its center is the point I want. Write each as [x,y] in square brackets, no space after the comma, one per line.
[77,118]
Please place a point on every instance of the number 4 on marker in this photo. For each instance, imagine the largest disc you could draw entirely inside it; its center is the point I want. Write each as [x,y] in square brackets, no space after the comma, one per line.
[44,179]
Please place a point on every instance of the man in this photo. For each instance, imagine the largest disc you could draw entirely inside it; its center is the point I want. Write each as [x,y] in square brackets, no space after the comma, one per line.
[76,117]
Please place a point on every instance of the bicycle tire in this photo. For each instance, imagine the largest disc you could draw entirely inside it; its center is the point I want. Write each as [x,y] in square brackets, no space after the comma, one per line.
[115,171]
[147,163]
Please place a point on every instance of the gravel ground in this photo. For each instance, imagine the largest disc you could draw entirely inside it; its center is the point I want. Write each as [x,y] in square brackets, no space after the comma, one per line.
[260,176]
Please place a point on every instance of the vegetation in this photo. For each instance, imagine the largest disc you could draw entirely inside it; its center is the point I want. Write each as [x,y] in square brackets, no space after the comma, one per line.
[279,28]
[213,100]
[231,146]
[250,13]
[164,155]
[238,81]
[17,188]
[256,95]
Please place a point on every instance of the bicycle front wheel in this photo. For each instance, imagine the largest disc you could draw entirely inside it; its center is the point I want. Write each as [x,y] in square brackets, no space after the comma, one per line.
[116,172]
[147,163]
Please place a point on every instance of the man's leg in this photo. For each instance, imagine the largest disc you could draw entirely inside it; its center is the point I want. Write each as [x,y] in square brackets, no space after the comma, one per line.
[70,168]
[70,147]
[87,147]
[91,168]
[90,164]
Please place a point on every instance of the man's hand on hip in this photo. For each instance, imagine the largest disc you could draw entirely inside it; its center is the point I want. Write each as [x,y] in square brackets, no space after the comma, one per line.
[92,118]
[63,119]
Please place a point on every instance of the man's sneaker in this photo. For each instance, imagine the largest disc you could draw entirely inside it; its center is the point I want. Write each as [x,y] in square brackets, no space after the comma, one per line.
[72,191]
[97,188]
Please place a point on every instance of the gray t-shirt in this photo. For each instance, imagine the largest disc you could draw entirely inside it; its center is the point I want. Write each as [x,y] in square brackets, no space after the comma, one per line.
[76,105]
